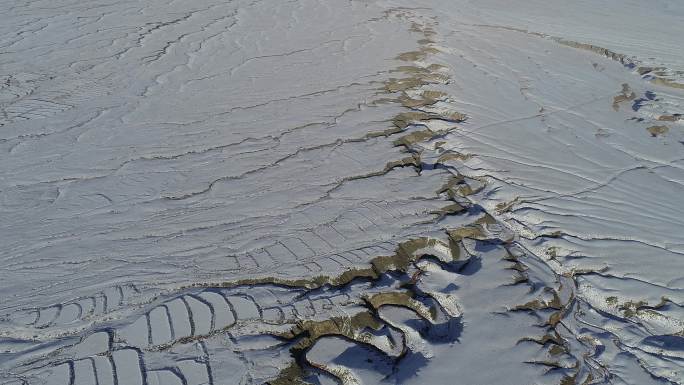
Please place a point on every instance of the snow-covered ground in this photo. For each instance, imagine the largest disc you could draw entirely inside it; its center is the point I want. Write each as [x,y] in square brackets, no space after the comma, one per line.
[355,192]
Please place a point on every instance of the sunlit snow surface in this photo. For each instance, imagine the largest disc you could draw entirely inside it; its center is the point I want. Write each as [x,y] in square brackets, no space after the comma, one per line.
[356,192]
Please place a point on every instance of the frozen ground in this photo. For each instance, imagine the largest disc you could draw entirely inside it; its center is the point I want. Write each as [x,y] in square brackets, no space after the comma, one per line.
[355,192]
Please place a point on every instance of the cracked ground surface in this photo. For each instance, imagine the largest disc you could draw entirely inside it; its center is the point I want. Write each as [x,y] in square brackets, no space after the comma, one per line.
[360,192]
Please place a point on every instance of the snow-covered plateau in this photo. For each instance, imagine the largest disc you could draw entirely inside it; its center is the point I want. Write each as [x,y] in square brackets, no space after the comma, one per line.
[350,192]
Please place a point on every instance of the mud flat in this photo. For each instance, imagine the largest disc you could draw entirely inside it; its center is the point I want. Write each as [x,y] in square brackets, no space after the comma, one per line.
[352,193]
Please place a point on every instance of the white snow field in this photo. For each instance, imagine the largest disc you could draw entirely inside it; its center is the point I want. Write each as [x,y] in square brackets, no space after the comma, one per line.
[342,192]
